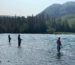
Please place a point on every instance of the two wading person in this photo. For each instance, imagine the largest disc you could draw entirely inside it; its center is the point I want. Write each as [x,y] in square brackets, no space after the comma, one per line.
[19,41]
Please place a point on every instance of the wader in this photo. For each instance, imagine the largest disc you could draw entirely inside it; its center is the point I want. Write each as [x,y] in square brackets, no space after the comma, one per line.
[9,39]
[58,47]
[19,42]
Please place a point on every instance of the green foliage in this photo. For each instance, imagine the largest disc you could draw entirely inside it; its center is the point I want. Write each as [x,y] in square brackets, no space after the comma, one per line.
[36,28]
[37,24]
[48,23]
[64,33]
[50,30]
[70,18]
[24,28]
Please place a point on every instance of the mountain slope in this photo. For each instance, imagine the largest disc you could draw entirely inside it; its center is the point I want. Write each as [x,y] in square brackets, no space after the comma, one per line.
[70,17]
[57,10]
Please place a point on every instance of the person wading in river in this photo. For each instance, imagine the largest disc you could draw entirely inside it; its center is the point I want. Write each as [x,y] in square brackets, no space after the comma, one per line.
[19,41]
[9,38]
[58,45]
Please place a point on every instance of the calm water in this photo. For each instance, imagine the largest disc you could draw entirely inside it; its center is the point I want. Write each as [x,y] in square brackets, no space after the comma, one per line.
[37,49]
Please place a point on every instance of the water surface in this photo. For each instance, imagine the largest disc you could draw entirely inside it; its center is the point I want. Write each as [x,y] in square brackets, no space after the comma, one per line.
[37,49]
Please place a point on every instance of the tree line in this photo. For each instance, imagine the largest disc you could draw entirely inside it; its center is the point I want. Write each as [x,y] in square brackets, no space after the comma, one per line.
[34,24]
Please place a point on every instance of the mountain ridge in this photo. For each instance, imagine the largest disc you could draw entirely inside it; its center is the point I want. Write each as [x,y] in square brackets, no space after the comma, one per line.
[57,10]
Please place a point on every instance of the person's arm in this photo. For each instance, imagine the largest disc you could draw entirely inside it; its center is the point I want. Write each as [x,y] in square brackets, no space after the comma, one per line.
[21,39]
[61,44]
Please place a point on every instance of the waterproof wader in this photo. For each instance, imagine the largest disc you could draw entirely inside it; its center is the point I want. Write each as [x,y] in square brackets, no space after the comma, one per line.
[58,47]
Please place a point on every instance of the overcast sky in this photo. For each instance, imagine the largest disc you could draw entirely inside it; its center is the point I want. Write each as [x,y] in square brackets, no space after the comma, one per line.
[26,7]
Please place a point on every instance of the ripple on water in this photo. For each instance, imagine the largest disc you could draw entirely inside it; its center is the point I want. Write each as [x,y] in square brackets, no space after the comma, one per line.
[37,49]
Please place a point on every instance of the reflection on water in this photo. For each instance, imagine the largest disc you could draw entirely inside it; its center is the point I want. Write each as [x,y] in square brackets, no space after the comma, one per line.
[9,43]
[59,55]
[37,49]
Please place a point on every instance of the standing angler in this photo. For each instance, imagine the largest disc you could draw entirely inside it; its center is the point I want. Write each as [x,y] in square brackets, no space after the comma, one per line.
[9,38]
[58,45]
[19,41]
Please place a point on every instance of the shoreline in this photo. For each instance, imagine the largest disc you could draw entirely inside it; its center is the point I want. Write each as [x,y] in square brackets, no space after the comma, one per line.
[43,33]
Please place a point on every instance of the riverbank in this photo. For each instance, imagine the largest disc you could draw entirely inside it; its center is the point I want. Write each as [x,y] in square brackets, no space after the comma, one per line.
[43,33]
[64,33]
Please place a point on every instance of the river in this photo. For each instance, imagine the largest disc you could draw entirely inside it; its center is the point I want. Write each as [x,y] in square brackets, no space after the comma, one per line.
[37,49]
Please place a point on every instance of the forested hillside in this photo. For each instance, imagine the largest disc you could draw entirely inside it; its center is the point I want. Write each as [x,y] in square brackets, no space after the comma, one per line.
[70,17]
[57,10]
[34,24]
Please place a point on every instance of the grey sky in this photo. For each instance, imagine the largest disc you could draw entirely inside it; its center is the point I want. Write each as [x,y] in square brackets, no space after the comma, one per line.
[26,7]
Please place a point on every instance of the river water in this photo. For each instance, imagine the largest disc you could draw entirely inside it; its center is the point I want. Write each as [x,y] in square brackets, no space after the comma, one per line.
[37,49]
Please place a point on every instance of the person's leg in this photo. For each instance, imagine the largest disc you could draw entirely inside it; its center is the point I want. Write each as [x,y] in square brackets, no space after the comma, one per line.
[18,43]
[58,48]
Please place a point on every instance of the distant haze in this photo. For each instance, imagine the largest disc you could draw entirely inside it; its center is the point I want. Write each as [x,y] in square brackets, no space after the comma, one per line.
[26,7]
